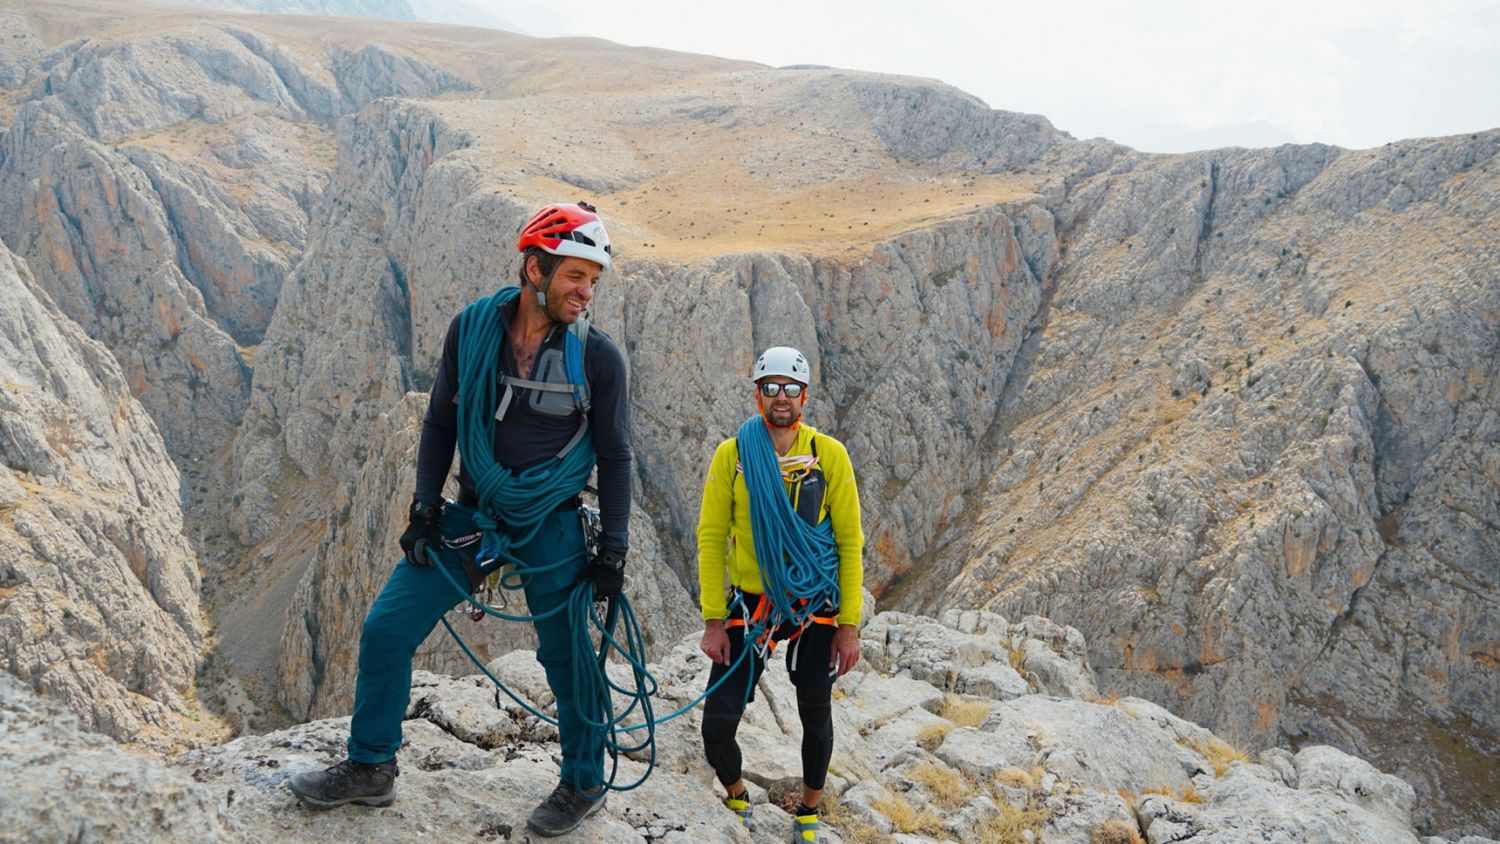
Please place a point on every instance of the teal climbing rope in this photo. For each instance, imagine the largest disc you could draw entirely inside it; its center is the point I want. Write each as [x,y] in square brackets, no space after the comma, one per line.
[799,562]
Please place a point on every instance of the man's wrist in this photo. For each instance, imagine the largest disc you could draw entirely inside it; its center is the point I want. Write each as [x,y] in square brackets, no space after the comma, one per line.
[422,511]
[713,624]
[611,558]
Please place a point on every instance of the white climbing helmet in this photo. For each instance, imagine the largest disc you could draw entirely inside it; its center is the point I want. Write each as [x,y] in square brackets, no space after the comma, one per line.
[785,361]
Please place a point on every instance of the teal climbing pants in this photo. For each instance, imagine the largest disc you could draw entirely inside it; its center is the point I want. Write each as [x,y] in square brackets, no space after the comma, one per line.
[414,600]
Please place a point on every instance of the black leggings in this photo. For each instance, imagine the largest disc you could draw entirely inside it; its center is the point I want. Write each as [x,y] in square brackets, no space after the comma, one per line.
[807,664]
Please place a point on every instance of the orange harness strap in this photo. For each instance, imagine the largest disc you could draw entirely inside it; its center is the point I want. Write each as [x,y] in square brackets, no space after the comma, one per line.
[763,610]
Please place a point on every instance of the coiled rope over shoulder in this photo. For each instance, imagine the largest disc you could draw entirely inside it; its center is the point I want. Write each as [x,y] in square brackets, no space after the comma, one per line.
[797,560]
[523,499]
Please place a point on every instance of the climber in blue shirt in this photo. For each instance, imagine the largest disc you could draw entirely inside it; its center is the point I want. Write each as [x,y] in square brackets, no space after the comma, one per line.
[542,411]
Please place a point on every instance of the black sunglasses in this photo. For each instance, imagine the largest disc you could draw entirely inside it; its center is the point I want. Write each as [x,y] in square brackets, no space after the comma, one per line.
[771,389]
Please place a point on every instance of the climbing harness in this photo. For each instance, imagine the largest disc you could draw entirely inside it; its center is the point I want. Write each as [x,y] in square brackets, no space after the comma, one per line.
[766,636]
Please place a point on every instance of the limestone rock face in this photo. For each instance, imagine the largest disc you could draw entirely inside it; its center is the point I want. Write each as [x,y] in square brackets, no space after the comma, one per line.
[933,124]
[162,187]
[315,646]
[1067,770]
[102,247]
[235,254]
[910,409]
[64,782]
[1356,780]
[98,586]
[319,383]
[1248,455]
[1263,809]
[22,50]
[218,73]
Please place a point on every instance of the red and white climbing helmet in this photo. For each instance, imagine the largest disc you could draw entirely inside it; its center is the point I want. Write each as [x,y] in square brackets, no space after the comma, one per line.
[569,230]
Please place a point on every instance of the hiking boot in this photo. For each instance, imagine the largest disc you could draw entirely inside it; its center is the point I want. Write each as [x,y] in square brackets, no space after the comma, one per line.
[564,809]
[347,782]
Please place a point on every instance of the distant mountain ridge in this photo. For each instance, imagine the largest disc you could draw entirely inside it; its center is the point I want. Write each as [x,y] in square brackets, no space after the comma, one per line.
[386,9]
[454,12]
[460,13]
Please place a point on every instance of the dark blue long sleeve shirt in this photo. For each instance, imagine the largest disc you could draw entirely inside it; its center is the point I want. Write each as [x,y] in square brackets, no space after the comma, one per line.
[525,436]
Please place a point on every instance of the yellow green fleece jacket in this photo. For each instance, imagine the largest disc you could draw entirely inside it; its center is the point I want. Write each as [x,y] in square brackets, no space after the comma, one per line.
[726,549]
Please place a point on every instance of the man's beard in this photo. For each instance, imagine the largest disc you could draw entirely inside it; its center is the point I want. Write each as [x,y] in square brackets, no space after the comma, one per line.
[782,418]
[556,310]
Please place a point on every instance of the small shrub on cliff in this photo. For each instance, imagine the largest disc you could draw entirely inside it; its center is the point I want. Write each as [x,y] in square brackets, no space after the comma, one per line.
[852,828]
[931,736]
[1219,753]
[908,818]
[1017,657]
[1019,778]
[1011,826]
[1116,831]
[1187,795]
[965,712]
[949,790]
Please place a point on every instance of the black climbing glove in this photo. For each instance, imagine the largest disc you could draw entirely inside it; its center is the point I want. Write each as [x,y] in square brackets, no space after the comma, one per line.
[422,533]
[607,571]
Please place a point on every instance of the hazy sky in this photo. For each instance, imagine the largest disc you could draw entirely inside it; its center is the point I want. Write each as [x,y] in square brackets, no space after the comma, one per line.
[1157,75]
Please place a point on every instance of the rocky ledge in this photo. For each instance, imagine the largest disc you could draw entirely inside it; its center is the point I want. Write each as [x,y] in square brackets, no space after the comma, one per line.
[968,728]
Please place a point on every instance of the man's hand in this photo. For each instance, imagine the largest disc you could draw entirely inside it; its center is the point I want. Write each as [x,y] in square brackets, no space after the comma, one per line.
[845,650]
[715,641]
[422,533]
[607,571]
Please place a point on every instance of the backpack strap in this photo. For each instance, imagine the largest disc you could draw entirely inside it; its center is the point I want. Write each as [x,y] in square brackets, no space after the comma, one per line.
[574,346]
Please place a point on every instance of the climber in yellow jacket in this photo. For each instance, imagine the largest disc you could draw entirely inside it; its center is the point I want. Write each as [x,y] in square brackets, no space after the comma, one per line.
[819,482]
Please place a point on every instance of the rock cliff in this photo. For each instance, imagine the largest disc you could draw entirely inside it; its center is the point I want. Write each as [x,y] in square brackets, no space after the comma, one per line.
[968,728]
[1251,457]
[98,588]
[161,187]
[1231,414]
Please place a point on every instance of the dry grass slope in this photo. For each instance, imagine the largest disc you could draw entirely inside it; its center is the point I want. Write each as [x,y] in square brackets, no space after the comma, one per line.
[689,156]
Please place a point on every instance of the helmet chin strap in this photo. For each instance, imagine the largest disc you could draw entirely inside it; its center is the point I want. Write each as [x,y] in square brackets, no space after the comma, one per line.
[541,294]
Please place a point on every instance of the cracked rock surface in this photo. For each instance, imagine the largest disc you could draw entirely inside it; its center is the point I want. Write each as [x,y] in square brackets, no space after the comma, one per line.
[473,769]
